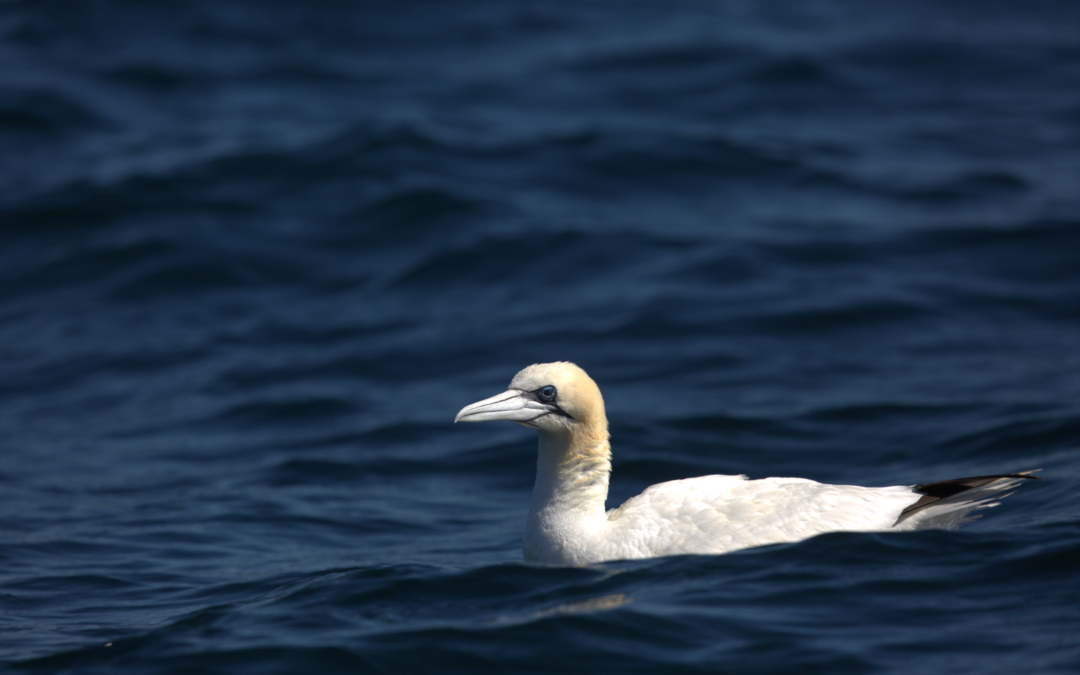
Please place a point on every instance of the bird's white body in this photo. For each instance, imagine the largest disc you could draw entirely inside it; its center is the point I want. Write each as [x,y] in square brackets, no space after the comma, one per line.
[567,522]
[706,515]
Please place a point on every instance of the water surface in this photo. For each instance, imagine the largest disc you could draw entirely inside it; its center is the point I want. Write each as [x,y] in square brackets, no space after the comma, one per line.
[255,256]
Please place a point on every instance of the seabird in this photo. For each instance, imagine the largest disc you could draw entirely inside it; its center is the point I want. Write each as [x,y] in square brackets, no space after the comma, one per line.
[567,523]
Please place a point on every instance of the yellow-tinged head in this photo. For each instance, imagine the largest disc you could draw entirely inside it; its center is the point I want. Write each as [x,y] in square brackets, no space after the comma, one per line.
[546,396]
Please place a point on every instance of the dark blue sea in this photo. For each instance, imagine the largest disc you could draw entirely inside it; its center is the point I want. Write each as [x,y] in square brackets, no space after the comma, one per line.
[254,256]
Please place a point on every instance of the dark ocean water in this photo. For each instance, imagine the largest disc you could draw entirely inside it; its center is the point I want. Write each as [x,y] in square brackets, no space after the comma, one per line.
[255,256]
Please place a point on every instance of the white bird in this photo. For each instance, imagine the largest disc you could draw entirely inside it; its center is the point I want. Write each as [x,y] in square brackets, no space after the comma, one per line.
[567,523]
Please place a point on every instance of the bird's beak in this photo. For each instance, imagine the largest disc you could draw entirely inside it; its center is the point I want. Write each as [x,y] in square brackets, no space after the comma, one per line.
[513,405]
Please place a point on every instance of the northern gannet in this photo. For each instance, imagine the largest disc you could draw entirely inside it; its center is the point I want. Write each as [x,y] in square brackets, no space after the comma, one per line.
[567,523]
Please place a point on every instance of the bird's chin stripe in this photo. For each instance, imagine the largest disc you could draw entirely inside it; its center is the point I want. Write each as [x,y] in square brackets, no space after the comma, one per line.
[558,411]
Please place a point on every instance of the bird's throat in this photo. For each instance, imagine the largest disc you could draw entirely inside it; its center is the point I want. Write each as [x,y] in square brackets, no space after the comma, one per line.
[572,471]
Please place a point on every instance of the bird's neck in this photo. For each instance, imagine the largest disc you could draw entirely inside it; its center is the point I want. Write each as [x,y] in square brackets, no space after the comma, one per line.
[572,470]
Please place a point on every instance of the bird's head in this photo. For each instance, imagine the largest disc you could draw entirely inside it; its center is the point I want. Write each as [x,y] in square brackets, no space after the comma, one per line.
[552,397]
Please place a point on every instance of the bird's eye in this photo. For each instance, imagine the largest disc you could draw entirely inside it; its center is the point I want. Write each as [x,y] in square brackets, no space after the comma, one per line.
[546,394]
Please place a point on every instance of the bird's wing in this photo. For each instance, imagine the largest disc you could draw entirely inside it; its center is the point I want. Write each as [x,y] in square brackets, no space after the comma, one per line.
[714,514]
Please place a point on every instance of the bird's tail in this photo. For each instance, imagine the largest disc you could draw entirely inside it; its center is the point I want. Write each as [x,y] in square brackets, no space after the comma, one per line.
[945,505]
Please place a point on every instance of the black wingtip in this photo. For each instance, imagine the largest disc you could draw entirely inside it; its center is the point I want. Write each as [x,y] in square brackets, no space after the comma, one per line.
[934,492]
[948,488]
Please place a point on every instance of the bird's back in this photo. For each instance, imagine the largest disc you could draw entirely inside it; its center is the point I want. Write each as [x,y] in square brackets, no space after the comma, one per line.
[716,514]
